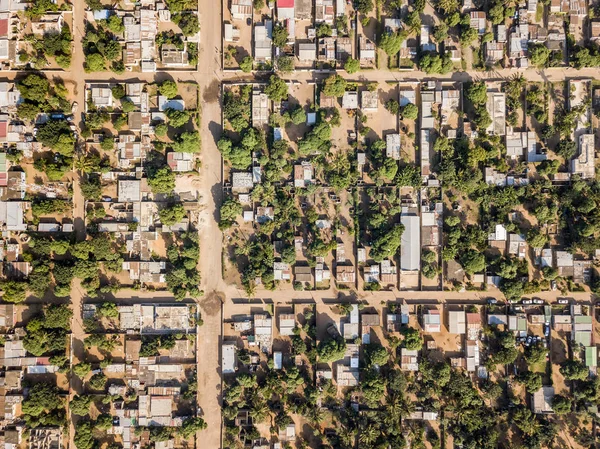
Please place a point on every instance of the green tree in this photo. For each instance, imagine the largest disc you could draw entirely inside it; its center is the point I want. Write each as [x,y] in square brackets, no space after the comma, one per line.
[410,112]
[80,405]
[115,24]
[98,382]
[412,339]
[440,32]
[94,62]
[363,6]
[177,119]
[172,214]
[477,93]
[280,36]
[566,148]
[376,355]
[13,291]
[331,350]
[82,369]
[392,42]
[448,6]
[190,426]
[161,129]
[472,261]
[468,36]
[532,381]
[561,404]
[84,439]
[334,86]
[188,142]
[162,180]
[574,370]
[539,54]
[352,65]
[285,64]
[247,64]
[535,354]
[168,89]
[230,210]
[276,89]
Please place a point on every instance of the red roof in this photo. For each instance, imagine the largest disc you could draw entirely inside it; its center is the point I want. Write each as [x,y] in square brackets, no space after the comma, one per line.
[3,179]
[3,128]
[3,27]
[285,3]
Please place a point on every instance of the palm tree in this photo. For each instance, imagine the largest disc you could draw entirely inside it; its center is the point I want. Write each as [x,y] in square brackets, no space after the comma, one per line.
[368,435]
[83,164]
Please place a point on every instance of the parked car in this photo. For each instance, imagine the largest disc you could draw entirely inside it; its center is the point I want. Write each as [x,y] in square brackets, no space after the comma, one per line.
[527,301]
[563,301]
[538,301]
[492,301]
[546,330]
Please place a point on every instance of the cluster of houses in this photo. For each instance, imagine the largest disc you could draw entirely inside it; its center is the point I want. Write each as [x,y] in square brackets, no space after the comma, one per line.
[301,19]
[132,212]
[142,23]
[157,381]
[17,368]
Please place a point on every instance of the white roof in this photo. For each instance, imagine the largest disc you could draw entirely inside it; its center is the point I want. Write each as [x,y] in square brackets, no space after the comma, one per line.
[410,250]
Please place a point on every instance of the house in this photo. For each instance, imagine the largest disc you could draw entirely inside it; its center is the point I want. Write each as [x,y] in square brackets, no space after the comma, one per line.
[347,376]
[303,174]
[392,146]
[241,182]
[496,107]
[324,11]
[287,324]
[494,52]
[564,263]
[501,33]
[263,41]
[409,359]
[307,51]
[472,355]
[303,274]
[410,252]
[541,400]
[228,358]
[595,30]
[473,325]
[130,191]
[343,49]
[102,96]
[326,49]
[366,50]
[478,21]
[584,164]
[497,320]
[369,101]
[171,56]
[260,108]
[345,274]
[432,321]
[180,162]
[426,44]
[285,10]
[350,100]
[281,271]
[242,9]
[517,246]
[457,322]
[265,214]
